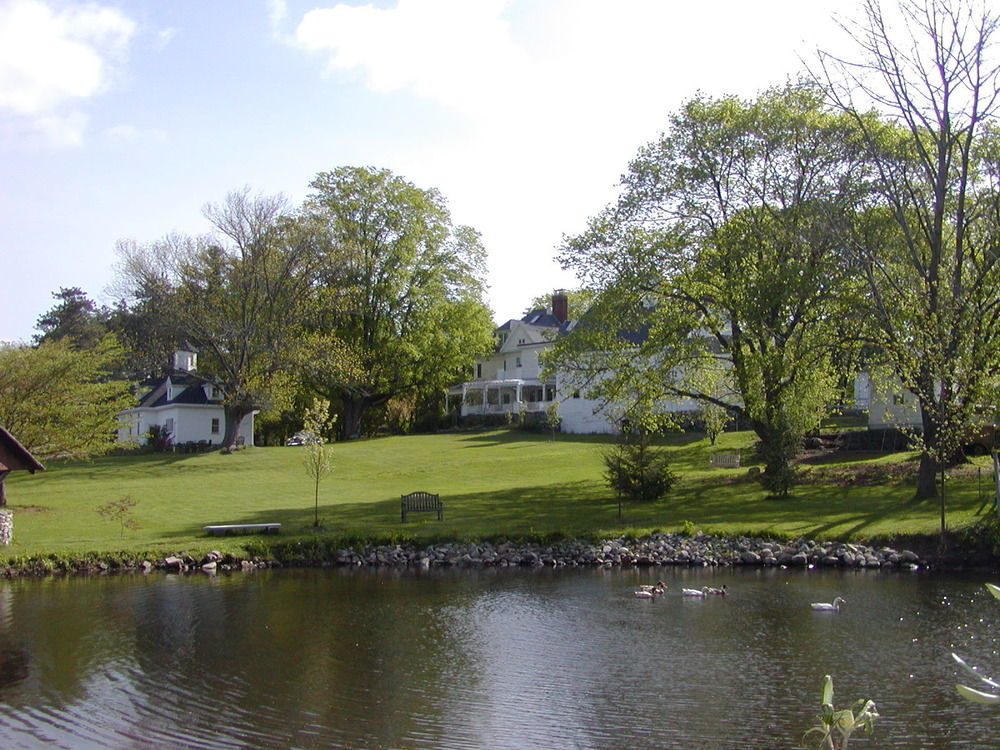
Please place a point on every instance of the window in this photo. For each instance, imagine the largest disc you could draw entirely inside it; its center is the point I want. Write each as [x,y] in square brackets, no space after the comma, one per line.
[215,425]
[898,399]
[518,360]
[169,425]
[479,371]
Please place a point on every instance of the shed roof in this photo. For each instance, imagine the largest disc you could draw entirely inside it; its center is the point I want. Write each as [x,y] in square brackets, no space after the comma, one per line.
[13,455]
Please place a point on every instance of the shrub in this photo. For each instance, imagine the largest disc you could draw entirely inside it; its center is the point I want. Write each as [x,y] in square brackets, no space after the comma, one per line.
[637,470]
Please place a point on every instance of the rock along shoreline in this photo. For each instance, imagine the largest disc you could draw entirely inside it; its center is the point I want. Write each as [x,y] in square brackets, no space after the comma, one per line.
[660,549]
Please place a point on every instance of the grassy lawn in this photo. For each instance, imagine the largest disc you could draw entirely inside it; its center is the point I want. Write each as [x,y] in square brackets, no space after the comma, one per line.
[492,483]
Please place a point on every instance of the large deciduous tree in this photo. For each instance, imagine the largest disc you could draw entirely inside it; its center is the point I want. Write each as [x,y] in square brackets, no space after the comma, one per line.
[400,293]
[718,261]
[60,400]
[237,295]
[930,243]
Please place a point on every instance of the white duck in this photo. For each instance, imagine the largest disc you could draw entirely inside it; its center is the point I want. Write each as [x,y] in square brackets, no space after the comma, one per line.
[695,592]
[828,606]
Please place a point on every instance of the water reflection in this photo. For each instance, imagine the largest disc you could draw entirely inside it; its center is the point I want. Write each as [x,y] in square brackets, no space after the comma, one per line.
[468,659]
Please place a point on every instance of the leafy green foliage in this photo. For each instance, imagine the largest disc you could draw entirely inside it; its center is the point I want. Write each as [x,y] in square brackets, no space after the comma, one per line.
[836,726]
[720,260]
[317,459]
[925,241]
[58,400]
[400,291]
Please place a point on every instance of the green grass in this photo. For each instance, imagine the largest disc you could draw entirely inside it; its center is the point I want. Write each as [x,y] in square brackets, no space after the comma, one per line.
[492,483]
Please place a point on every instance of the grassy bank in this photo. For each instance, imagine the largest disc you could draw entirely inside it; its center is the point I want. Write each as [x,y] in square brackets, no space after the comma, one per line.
[492,483]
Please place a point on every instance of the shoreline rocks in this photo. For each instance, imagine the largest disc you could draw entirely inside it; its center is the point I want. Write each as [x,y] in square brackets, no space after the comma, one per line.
[698,550]
[660,549]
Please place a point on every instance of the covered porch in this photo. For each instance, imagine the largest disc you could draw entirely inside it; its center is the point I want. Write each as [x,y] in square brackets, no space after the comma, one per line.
[508,396]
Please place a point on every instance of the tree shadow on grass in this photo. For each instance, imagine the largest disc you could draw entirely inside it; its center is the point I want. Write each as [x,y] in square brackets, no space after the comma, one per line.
[575,506]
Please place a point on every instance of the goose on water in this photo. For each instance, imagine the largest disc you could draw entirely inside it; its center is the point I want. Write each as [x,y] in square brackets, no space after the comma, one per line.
[648,592]
[695,592]
[828,606]
[716,592]
[659,587]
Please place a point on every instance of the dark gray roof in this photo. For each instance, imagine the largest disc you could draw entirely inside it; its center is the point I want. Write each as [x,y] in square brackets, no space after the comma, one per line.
[194,393]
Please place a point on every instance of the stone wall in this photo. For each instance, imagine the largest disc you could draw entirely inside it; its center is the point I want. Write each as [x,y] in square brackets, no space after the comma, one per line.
[6,527]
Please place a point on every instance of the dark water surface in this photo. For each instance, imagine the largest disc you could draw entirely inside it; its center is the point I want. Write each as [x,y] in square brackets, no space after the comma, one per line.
[487,659]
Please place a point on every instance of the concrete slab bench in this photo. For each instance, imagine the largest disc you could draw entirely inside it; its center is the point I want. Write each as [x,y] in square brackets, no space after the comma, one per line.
[243,528]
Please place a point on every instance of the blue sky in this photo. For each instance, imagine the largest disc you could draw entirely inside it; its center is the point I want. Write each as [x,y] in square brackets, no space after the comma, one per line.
[121,120]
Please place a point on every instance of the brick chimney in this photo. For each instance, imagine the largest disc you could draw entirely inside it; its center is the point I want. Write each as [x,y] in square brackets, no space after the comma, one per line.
[560,305]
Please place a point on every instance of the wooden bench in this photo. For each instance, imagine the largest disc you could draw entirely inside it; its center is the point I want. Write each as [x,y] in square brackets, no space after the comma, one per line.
[243,528]
[724,460]
[419,502]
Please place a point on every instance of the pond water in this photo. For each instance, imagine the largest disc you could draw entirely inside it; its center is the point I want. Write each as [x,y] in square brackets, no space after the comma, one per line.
[487,658]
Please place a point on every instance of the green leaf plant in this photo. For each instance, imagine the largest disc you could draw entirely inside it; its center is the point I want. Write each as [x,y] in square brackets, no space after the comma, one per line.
[971,694]
[836,726]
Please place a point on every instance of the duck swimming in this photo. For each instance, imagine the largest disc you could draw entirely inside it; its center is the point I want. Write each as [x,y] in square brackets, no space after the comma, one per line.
[695,592]
[716,592]
[828,606]
[647,591]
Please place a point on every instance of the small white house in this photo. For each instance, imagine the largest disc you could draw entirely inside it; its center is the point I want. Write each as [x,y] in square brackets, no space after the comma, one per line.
[889,404]
[186,404]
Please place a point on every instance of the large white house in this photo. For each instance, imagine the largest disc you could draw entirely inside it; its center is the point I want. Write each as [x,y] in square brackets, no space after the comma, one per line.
[186,404]
[509,381]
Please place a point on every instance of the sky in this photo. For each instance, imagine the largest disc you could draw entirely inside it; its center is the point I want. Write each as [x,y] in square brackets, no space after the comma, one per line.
[122,120]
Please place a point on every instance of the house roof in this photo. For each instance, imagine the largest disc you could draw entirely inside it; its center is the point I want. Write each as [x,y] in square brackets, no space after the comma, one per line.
[13,455]
[193,393]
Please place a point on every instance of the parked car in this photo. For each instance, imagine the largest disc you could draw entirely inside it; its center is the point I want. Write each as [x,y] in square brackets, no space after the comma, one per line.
[301,438]
[980,440]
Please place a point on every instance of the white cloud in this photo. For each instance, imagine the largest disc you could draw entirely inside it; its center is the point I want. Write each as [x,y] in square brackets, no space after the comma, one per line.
[456,52]
[64,130]
[132,134]
[277,10]
[556,95]
[164,37]
[51,60]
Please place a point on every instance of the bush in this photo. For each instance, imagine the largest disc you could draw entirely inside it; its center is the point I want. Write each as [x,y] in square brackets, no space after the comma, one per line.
[637,470]
[159,438]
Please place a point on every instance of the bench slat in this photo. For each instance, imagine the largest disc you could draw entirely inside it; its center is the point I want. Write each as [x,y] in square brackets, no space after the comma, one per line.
[420,502]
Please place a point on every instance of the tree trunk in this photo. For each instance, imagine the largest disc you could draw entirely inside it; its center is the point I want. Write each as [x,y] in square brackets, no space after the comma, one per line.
[352,412]
[927,473]
[3,492]
[926,477]
[234,418]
